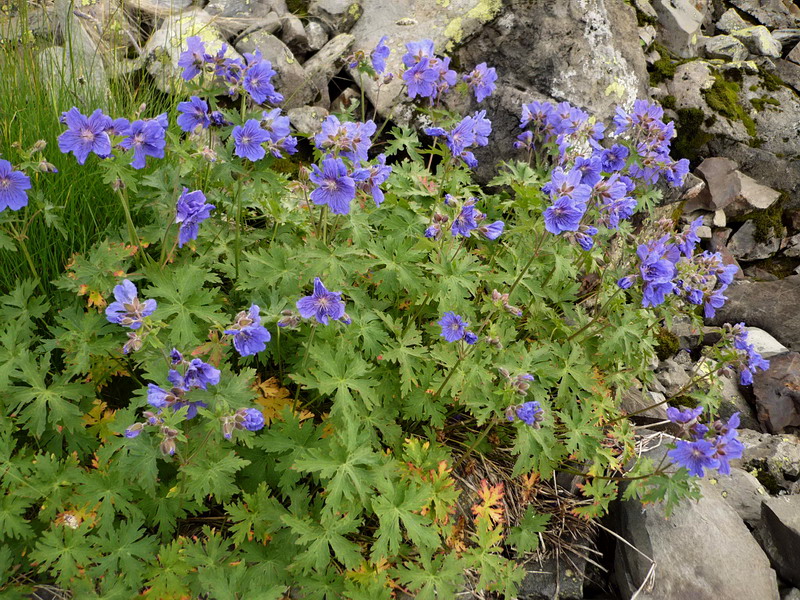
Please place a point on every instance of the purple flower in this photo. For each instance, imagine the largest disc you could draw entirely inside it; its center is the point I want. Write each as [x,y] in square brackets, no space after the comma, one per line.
[175,357]
[682,417]
[275,125]
[567,184]
[12,187]
[378,174]
[530,413]
[454,327]
[471,338]
[359,135]
[614,158]
[199,374]
[727,445]
[335,187]
[416,51]
[465,222]
[689,238]
[85,134]
[626,282]
[248,138]
[379,55]
[590,169]
[421,80]
[654,294]
[146,137]
[253,419]
[128,310]
[193,58]
[585,237]
[257,80]
[695,456]
[481,81]
[564,214]
[492,231]
[322,304]
[249,336]
[191,210]
[193,113]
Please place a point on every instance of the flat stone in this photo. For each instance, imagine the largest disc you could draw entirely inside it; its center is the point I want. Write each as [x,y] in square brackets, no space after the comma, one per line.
[316,36]
[294,35]
[720,219]
[634,400]
[307,119]
[547,578]
[725,47]
[672,376]
[794,55]
[160,8]
[763,343]
[234,16]
[744,246]
[769,305]
[731,21]
[789,72]
[777,393]
[722,186]
[742,492]
[328,61]
[680,24]
[780,535]
[338,16]
[759,41]
[752,196]
[772,13]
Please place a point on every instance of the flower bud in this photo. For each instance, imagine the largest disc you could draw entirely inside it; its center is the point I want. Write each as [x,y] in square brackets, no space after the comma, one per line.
[167,447]
[46,167]
[118,185]
[39,146]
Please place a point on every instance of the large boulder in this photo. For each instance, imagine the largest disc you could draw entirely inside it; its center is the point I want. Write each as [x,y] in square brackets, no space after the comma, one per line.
[769,305]
[780,535]
[772,13]
[777,393]
[679,26]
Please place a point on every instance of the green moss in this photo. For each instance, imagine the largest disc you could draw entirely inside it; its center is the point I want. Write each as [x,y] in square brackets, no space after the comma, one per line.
[667,344]
[690,134]
[770,81]
[768,222]
[298,7]
[723,98]
[683,401]
[765,478]
[668,102]
[761,103]
[643,20]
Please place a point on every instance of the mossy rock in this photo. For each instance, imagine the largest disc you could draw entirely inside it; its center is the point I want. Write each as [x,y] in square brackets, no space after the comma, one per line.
[723,98]
[760,104]
[667,344]
[691,136]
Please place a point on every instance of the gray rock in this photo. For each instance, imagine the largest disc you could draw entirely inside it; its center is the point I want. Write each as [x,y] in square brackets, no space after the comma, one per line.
[770,305]
[672,376]
[321,67]
[316,36]
[307,119]
[345,100]
[773,459]
[730,21]
[725,47]
[766,345]
[168,42]
[733,401]
[744,246]
[752,196]
[159,8]
[792,594]
[35,21]
[645,7]
[742,492]
[787,37]
[633,401]
[547,579]
[794,55]
[338,16]
[87,79]
[294,35]
[759,41]
[777,393]
[720,219]
[772,13]
[680,25]
[648,35]
[780,535]
[291,79]
[686,549]
[789,72]
[722,186]
[792,246]
[234,16]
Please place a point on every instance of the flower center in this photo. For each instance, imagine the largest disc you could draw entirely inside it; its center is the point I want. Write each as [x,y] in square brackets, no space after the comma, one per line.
[5,183]
[87,135]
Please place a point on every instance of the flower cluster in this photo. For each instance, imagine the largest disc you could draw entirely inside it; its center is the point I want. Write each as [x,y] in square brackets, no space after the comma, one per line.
[191,210]
[471,132]
[92,134]
[195,113]
[249,336]
[468,220]
[563,127]
[323,305]
[481,81]
[426,75]
[249,419]
[196,374]
[749,360]
[13,186]
[128,310]
[711,446]
[454,328]
[271,131]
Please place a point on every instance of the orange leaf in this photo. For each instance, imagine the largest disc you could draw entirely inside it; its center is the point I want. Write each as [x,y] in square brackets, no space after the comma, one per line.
[492,506]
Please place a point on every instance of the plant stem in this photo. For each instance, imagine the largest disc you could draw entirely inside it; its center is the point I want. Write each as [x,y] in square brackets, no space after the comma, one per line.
[24,247]
[303,367]
[474,445]
[594,320]
[690,383]
[134,237]
[238,241]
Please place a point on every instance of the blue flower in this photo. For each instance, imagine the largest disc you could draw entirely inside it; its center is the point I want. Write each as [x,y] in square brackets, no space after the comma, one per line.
[275,124]
[191,210]
[695,456]
[481,81]
[12,187]
[249,336]
[564,214]
[530,413]
[128,310]
[465,222]
[146,137]
[201,375]
[85,134]
[378,174]
[194,113]
[471,338]
[585,237]
[682,417]
[257,80]
[193,58]
[421,80]
[454,327]
[335,187]
[322,304]
[248,138]
[253,419]
[492,231]
[379,55]
[614,158]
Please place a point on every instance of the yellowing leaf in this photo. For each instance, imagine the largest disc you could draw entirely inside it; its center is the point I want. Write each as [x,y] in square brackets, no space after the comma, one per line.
[272,399]
[96,299]
[491,507]
[98,420]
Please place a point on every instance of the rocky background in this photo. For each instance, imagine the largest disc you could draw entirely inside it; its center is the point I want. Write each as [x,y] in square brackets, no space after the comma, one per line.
[728,73]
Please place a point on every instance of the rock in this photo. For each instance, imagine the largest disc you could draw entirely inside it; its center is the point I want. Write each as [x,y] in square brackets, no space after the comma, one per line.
[752,196]
[792,594]
[672,376]
[294,35]
[648,35]
[744,246]
[81,60]
[719,240]
[730,21]
[316,36]
[759,41]
[686,549]
[725,47]
[168,42]
[307,119]
[733,401]
[766,345]
[83,75]
[646,8]
[704,232]
[107,25]
[291,80]
[234,16]
[338,16]
[777,393]
[770,305]
[547,578]
[789,72]
[794,55]
[633,401]
[680,24]
[159,8]
[787,37]
[773,459]
[345,100]
[742,492]
[792,246]
[720,219]
[321,67]
[759,274]
[772,13]
[780,535]
[22,26]
[722,187]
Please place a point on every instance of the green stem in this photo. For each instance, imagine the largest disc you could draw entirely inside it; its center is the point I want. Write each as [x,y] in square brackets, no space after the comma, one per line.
[474,445]
[594,320]
[28,258]
[303,367]
[238,240]
[134,237]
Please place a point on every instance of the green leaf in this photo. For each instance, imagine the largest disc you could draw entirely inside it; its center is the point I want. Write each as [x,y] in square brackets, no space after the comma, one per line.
[207,476]
[524,535]
[323,537]
[65,551]
[398,503]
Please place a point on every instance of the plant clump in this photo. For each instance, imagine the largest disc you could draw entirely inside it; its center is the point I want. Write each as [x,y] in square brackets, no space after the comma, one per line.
[723,97]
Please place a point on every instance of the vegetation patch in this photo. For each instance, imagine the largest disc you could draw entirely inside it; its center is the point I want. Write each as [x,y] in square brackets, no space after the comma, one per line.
[723,97]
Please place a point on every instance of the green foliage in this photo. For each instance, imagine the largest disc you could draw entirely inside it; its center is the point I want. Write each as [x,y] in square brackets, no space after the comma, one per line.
[723,98]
